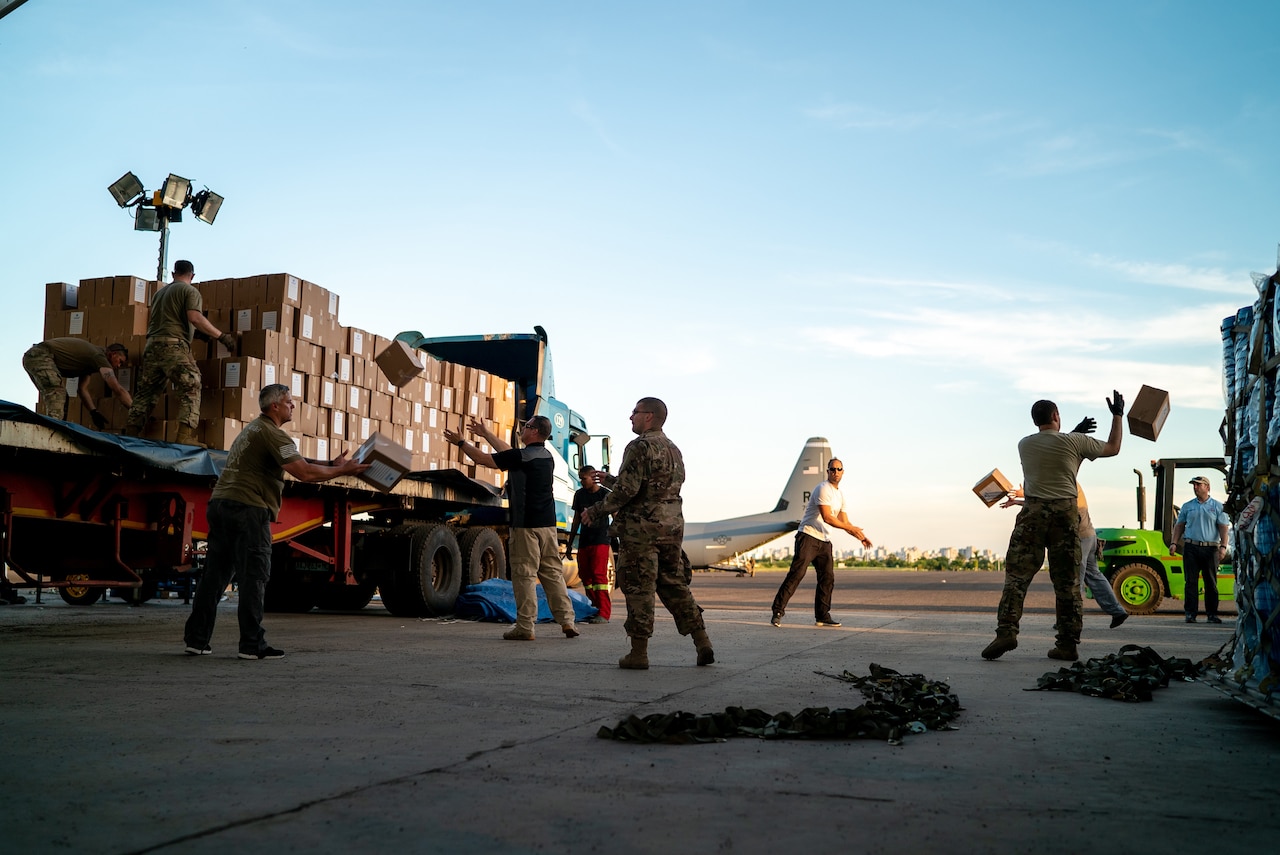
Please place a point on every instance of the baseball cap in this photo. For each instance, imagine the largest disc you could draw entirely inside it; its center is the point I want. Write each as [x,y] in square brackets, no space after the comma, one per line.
[1199,479]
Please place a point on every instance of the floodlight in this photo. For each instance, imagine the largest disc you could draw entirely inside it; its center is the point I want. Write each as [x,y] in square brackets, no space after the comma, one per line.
[126,189]
[146,220]
[205,205]
[176,190]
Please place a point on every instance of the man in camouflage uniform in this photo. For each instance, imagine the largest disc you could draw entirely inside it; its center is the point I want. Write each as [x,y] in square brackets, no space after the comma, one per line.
[1050,519]
[51,362]
[176,313]
[649,523]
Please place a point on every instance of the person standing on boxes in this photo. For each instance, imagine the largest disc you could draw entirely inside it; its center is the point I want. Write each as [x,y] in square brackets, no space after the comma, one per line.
[244,503]
[533,544]
[1050,521]
[648,516]
[593,545]
[51,362]
[176,312]
[1204,524]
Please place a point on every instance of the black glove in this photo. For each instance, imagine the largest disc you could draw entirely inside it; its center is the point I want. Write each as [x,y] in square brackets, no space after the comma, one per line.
[1116,406]
[1087,425]
[228,340]
[99,420]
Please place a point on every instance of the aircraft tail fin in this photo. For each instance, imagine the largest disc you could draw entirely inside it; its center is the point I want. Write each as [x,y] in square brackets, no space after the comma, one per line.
[810,470]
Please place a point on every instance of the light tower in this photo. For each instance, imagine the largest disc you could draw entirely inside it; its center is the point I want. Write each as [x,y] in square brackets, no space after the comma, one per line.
[161,207]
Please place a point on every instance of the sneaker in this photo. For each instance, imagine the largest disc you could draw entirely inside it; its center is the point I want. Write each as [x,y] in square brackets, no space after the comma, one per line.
[776,620]
[827,621]
[1002,645]
[1066,654]
[1213,619]
[517,635]
[264,653]
[1191,618]
[192,650]
[1116,620]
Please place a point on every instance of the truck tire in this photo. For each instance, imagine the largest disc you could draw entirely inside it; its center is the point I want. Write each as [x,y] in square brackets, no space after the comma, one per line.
[427,585]
[482,555]
[345,598]
[1139,588]
[78,595]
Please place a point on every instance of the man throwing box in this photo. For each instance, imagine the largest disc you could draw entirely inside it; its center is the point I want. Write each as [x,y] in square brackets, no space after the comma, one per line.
[824,512]
[1050,520]
[244,503]
[50,363]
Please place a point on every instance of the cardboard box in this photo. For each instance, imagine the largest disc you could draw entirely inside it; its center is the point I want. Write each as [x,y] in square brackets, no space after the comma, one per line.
[992,488]
[220,433]
[60,296]
[389,462]
[1148,412]
[399,363]
[131,291]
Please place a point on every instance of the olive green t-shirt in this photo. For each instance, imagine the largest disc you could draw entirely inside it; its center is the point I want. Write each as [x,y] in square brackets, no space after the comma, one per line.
[169,309]
[76,357]
[254,473]
[1050,461]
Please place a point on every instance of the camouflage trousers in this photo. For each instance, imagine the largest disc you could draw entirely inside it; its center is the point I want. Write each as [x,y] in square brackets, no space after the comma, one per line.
[44,373]
[1042,525]
[165,362]
[646,568]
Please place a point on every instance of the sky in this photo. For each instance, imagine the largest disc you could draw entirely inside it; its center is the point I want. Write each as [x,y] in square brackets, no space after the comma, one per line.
[893,225]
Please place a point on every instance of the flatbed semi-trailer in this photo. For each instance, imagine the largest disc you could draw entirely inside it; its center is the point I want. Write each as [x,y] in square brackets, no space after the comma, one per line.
[83,511]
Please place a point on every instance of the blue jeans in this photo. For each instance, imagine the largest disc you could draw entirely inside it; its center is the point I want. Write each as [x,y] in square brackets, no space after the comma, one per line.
[239,547]
[1101,589]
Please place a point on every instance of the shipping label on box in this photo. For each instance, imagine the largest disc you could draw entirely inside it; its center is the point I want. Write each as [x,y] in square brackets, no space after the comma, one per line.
[244,320]
[322,448]
[992,488]
[298,385]
[344,368]
[338,426]
[328,392]
[388,462]
[1148,412]
[75,323]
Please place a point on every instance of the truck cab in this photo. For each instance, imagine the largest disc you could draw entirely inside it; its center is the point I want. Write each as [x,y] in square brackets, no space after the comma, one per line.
[1137,561]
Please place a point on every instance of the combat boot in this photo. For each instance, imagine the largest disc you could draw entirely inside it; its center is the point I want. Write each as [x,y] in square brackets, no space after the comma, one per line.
[703,645]
[638,658]
[187,436]
[1066,652]
[1003,644]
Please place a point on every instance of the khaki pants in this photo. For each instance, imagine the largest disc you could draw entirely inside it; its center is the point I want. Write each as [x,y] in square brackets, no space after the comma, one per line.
[535,557]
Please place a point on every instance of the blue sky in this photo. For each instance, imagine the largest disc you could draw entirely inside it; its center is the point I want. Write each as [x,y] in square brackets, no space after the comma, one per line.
[892,225]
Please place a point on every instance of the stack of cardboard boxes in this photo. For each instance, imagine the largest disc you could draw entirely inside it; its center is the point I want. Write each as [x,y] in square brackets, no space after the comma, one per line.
[348,383]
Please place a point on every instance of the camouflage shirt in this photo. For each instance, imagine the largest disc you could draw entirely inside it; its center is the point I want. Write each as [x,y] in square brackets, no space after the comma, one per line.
[645,501]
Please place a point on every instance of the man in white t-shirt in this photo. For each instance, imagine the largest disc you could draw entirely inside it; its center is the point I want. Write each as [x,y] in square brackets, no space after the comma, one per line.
[824,512]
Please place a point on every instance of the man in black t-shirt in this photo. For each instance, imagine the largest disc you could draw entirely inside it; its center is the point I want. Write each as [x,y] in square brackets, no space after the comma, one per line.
[533,546]
[593,545]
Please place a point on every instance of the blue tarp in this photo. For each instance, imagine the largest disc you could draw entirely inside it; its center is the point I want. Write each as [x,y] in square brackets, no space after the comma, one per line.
[493,600]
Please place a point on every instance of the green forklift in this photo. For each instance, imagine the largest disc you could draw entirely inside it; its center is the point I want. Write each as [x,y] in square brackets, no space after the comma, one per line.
[1137,561]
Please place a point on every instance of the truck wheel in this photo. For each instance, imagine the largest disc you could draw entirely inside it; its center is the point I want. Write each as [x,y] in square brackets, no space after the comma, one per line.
[482,555]
[427,584]
[78,595]
[1139,588]
[345,598]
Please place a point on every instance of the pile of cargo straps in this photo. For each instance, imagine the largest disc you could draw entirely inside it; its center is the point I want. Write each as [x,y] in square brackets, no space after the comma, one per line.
[1130,675]
[896,704]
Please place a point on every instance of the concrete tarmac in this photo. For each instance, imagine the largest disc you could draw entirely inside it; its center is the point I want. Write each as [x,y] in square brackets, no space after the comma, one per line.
[380,734]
